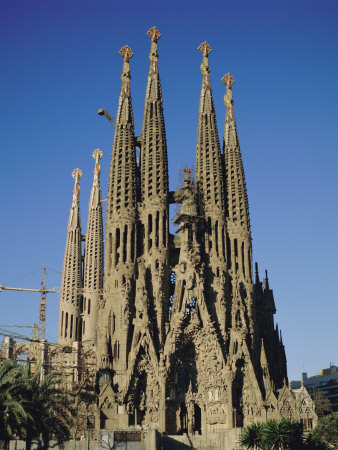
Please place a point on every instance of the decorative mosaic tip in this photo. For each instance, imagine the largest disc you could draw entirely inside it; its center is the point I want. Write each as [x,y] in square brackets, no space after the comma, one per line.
[228,80]
[97,154]
[204,48]
[77,174]
[126,53]
[154,34]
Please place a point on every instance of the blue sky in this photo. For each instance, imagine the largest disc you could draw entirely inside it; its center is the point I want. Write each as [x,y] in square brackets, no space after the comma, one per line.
[60,64]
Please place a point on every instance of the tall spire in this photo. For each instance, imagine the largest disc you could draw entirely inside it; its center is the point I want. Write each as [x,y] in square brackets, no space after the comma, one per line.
[153,234]
[120,239]
[122,184]
[93,262]
[209,176]
[70,308]
[238,221]
[154,160]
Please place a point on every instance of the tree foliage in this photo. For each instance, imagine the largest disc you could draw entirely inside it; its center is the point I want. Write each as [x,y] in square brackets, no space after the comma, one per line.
[327,429]
[30,407]
[323,405]
[284,434]
[13,414]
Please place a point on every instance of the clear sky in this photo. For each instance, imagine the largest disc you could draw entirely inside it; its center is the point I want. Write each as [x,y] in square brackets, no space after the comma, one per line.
[60,63]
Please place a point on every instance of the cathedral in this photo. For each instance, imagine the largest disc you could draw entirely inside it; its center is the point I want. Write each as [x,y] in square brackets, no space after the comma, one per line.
[173,332]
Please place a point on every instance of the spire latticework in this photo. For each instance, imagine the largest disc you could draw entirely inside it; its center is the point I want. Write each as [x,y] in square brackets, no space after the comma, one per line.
[93,262]
[154,212]
[71,284]
[154,160]
[209,175]
[208,153]
[238,221]
[120,249]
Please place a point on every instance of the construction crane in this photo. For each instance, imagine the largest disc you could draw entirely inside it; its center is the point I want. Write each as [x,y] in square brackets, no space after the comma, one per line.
[39,331]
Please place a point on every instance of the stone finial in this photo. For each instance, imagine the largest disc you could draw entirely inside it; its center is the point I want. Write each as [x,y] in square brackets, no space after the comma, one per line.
[126,53]
[154,34]
[228,80]
[205,49]
[97,155]
[256,273]
[76,174]
[266,281]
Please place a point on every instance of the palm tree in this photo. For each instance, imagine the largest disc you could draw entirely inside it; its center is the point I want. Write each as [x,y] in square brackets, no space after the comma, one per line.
[49,408]
[283,434]
[251,436]
[13,414]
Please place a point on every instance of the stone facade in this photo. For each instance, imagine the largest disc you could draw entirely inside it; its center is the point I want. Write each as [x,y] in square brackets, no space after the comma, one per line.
[180,336]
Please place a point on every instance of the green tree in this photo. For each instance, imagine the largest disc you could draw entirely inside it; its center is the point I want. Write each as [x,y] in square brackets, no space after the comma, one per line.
[323,405]
[13,412]
[315,444]
[327,429]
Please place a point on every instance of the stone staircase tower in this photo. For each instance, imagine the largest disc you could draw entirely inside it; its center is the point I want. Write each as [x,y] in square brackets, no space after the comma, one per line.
[93,260]
[70,329]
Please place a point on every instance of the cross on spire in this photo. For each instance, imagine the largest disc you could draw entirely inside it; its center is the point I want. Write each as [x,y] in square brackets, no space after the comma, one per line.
[154,34]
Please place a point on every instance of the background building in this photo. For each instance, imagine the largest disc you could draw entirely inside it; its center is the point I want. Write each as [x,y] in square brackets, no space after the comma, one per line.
[326,381]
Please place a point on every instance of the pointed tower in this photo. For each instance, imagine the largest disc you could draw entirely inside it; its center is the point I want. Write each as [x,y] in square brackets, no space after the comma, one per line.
[71,284]
[93,261]
[210,192]
[153,227]
[209,176]
[238,221]
[117,309]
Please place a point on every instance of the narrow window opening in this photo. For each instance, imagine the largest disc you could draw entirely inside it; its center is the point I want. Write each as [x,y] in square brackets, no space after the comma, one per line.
[216,236]
[61,332]
[71,326]
[157,223]
[110,250]
[243,262]
[125,239]
[66,325]
[117,245]
[132,253]
[164,228]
